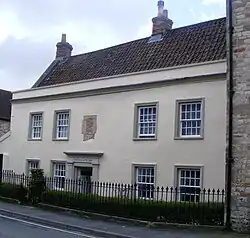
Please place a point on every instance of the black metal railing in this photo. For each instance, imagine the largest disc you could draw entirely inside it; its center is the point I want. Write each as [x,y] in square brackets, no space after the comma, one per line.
[184,204]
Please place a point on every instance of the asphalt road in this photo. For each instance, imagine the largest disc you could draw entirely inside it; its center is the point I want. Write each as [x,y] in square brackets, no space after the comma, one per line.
[18,229]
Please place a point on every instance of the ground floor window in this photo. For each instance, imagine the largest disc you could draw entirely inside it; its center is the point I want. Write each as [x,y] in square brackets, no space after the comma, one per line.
[145,180]
[189,184]
[59,172]
[32,164]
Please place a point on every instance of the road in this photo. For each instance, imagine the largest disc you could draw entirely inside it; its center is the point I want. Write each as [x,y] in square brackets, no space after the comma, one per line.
[22,229]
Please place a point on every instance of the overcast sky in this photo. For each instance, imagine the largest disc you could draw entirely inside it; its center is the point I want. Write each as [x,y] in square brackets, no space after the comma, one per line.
[30,29]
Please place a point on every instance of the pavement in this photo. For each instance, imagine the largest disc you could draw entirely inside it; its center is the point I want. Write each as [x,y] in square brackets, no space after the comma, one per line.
[13,229]
[39,221]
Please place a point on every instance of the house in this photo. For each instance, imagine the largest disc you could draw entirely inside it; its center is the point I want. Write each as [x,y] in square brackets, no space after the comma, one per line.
[5,114]
[5,111]
[150,111]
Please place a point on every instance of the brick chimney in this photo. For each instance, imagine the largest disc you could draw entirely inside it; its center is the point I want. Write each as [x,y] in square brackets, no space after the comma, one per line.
[161,23]
[64,49]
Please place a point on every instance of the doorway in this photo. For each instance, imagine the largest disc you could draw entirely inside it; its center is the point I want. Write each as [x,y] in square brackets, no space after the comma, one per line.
[84,178]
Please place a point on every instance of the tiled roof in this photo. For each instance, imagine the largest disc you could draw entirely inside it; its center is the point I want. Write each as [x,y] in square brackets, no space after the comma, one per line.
[196,43]
[5,104]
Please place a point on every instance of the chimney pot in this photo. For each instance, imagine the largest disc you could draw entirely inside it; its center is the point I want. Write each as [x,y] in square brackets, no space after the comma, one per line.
[161,23]
[63,38]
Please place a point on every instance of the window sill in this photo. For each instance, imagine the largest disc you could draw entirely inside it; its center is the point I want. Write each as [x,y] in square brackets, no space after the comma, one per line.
[189,138]
[30,139]
[58,139]
[145,139]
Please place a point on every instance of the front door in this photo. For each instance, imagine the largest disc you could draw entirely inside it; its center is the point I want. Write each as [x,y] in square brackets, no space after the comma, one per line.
[84,175]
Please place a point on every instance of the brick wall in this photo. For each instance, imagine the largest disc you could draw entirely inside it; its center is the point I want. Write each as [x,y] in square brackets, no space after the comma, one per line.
[241,117]
[4,127]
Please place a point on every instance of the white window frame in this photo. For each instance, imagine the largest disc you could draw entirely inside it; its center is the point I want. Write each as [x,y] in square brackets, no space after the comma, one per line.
[32,162]
[146,117]
[59,168]
[188,180]
[61,123]
[194,119]
[142,171]
[36,126]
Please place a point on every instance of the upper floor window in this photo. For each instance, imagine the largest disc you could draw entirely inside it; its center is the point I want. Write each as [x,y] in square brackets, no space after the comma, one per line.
[146,121]
[62,125]
[36,124]
[190,119]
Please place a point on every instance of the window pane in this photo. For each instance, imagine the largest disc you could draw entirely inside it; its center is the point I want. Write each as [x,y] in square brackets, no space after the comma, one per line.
[182,173]
[198,106]
[193,115]
[183,132]
[193,107]
[198,131]
[183,124]
[197,182]
[182,181]
[183,107]
[194,131]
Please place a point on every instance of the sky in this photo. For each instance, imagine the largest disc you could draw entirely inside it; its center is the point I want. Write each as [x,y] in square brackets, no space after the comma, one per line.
[30,29]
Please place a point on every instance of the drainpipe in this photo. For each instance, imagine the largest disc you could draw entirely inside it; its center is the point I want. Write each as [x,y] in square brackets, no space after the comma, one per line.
[229,158]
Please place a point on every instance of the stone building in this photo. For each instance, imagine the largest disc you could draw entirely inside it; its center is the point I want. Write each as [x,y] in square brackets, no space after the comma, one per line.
[239,11]
[5,111]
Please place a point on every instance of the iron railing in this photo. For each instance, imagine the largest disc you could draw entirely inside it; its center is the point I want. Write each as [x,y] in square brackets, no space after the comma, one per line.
[183,204]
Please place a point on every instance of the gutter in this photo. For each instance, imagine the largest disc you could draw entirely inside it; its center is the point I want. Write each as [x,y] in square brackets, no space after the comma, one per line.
[229,158]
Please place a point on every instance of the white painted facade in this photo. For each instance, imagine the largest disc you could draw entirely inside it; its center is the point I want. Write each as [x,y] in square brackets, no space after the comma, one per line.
[114,153]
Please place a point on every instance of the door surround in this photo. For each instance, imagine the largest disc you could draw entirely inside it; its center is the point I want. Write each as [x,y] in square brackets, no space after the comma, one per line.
[78,159]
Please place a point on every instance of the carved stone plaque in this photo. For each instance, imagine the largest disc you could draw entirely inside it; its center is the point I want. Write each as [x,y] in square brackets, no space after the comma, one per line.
[89,127]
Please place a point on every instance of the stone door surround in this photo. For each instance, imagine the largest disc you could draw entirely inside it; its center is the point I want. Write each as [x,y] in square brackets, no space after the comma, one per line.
[83,159]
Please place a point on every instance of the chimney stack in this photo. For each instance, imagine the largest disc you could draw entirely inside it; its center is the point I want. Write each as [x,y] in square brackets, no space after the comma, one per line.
[64,49]
[161,23]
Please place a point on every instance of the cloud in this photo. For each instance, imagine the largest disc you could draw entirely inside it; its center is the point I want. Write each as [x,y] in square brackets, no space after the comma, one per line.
[29,30]
[211,2]
[22,60]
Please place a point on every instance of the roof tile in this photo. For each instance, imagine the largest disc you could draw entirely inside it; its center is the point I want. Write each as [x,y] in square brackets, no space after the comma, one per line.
[5,104]
[197,43]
